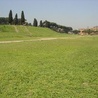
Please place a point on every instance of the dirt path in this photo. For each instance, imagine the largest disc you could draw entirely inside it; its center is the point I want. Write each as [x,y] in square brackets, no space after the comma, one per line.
[28,31]
[16,30]
[17,41]
[39,39]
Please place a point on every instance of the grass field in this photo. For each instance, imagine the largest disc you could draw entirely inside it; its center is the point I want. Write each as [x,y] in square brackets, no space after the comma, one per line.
[8,32]
[61,68]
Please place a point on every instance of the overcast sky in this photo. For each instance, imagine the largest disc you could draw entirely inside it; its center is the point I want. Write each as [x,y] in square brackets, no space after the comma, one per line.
[74,13]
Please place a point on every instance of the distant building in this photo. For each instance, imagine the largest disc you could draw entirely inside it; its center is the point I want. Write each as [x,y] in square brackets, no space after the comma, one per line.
[95,28]
[86,31]
[81,31]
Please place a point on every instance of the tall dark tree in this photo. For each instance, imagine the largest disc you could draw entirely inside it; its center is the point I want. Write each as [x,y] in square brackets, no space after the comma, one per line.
[41,24]
[35,23]
[16,19]
[22,18]
[10,17]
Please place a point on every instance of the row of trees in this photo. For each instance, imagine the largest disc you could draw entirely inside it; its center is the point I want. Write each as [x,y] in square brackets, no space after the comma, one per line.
[21,21]
[35,23]
[15,20]
[56,27]
[53,26]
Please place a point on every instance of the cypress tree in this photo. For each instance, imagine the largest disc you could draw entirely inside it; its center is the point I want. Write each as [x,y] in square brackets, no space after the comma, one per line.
[35,23]
[16,19]
[10,17]
[41,24]
[22,18]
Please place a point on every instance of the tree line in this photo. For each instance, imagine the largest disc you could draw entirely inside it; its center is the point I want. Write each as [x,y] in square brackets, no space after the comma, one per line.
[53,26]
[22,21]
[10,20]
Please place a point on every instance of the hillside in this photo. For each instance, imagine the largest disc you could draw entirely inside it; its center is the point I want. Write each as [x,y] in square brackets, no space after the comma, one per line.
[13,32]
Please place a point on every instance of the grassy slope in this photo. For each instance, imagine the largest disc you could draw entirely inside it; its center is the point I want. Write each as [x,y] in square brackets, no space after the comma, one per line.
[8,32]
[65,68]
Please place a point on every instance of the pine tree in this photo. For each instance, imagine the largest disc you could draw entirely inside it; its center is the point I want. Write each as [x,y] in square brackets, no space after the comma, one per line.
[35,23]
[10,17]
[41,24]
[16,19]
[22,18]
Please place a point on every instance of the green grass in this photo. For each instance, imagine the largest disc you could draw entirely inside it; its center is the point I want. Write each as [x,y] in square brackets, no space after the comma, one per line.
[8,32]
[64,68]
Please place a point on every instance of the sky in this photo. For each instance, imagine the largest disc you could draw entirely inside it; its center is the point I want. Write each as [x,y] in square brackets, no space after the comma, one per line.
[73,13]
